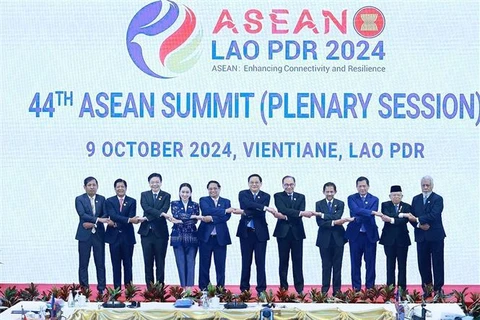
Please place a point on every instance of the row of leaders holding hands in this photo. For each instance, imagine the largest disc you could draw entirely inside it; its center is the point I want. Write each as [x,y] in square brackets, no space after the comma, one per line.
[212,236]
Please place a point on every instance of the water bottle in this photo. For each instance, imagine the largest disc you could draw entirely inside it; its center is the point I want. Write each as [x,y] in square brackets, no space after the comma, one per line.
[70,301]
[204,300]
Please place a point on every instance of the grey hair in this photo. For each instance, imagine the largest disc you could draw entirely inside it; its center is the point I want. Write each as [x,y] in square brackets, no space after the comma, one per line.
[430,179]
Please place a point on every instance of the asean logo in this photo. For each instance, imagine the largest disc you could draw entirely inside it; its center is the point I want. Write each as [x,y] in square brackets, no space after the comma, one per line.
[163,39]
[369,22]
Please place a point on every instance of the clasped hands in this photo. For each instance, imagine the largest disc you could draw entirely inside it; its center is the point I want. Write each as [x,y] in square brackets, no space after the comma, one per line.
[111,223]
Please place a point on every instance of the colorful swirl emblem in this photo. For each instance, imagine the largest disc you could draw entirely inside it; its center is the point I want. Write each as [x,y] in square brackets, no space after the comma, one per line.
[163,39]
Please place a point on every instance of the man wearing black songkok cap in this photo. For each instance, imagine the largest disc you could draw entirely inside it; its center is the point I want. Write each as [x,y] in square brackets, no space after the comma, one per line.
[395,238]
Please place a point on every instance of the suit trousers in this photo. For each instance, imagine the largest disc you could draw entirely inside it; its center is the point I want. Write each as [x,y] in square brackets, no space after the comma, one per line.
[185,258]
[154,250]
[428,253]
[285,246]
[219,257]
[358,248]
[84,250]
[248,246]
[332,261]
[396,253]
[121,252]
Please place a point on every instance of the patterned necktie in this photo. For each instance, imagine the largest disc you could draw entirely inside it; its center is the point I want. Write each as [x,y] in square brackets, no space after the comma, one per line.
[121,204]
[424,199]
[92,203]
[154,198]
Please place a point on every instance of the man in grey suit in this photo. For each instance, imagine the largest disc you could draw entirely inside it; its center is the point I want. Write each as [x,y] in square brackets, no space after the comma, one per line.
[331,236]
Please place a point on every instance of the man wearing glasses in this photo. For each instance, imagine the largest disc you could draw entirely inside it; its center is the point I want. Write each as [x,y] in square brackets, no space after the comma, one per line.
[253,231]
[395,238]
[289,232]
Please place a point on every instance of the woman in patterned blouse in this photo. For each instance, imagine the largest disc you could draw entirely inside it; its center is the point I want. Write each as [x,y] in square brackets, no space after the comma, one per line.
[184,239]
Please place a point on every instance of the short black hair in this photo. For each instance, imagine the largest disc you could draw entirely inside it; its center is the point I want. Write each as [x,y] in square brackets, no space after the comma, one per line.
[153,175]
[119,181]
[362,178]
[213,181]
[330,184]
[88,179]
[254,175]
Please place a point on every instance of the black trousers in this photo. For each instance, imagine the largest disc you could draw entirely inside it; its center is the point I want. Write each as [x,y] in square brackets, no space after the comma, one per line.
[248,246]
[96,243]
[154,250]
[286,246]
[396,254]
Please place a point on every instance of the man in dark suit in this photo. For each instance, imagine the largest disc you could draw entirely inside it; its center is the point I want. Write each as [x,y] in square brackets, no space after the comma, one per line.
[91,233]
[121,210]
[426,217]
[362,233]
[153,230]
[331,236]
[289,232]
[395,238]
[213,234]
[253,232]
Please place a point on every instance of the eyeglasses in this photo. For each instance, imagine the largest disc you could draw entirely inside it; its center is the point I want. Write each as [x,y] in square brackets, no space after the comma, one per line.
[289,185]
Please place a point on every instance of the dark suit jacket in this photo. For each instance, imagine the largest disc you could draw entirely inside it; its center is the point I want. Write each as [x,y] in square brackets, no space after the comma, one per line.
[253,211]
[85,213]
[325,228]
[153,211]
[220,218]
[122,228]
[362,212]
[291,209]
[430,213]
[396,233]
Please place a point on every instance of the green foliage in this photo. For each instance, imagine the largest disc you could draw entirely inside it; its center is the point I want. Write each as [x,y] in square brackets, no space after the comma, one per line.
[30,293]
[157,292]
[10,296]
[131,291]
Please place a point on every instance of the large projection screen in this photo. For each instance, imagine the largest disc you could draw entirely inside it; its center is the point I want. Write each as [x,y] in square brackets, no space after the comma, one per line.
[202,90]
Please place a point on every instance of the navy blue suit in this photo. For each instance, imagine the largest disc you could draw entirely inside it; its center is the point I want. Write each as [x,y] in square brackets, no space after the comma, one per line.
[290,234]
[88,240]
[154,234]
[121,237]
[331,241]
[362,234]
[430,243]
[213,244]
[395,240]
[253,240]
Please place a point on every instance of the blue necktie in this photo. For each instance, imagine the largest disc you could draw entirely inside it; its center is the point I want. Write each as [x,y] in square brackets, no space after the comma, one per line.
[425,199]
[362,227]
[330,206]
[250,223]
